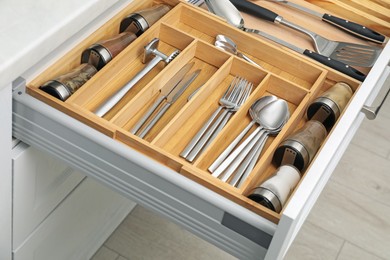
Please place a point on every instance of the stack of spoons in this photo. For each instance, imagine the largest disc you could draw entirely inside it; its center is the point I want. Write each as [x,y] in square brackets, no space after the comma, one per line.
[237,161]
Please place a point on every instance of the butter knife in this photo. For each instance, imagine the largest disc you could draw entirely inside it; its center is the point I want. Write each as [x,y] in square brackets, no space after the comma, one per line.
[171,98]
[164,92]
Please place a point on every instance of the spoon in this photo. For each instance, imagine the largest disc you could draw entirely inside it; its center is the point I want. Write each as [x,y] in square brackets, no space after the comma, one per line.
[271,117]
[257,145]
[253,111]
[225,43]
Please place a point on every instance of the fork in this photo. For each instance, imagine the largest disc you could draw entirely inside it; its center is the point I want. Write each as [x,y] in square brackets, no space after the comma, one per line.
[235,95]
[195,2]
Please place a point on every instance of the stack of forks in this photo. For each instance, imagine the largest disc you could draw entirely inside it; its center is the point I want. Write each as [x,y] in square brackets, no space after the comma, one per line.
[233,98]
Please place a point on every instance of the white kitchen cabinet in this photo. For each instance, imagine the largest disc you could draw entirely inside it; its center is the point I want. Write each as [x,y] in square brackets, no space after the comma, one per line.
[160,187]
[40,183]
[78,226]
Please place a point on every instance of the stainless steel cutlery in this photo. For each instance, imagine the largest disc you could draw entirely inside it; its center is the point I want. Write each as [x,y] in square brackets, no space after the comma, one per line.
[349,53]
[235,95]
[150,52]
[225,9]
[343,24]
[237,161]
[225,43]
[170,94]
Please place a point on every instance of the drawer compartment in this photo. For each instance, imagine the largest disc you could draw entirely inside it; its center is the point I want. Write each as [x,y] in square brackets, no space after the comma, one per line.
[192,32]
[150,170]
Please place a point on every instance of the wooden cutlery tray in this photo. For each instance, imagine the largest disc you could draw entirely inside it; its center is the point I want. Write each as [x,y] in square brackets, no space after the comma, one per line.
[192,30]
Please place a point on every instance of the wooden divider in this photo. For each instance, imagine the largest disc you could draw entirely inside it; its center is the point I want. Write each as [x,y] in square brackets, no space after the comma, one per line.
[192,31]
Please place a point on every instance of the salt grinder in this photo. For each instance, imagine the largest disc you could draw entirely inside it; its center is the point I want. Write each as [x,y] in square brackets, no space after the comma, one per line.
[139,22]
[328,107]
[101,53]
[300,148]
[273,193]
[65,85]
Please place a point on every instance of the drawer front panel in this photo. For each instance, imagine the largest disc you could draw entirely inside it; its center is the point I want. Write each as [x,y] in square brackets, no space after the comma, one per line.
[144,181]
[41,182]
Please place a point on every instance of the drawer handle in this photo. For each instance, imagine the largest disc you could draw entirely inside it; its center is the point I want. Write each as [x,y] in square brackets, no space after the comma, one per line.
[370,111]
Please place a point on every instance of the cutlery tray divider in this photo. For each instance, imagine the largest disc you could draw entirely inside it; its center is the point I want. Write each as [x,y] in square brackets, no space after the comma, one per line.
[191,30]
[197,111]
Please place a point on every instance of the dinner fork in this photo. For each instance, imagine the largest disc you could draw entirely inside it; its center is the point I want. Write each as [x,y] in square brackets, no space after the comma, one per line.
[233,98]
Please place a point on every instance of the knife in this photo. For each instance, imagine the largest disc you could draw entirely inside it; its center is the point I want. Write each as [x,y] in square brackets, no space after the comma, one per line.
[348,26]
[170,99]
[227,10]
[164,92]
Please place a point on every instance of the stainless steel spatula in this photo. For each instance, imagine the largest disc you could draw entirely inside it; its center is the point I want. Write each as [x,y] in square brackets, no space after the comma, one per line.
[353,28]
[349,53]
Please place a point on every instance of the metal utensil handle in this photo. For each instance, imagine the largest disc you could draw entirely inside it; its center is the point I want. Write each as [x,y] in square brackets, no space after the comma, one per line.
[354,28]
[246,163]
[199,146]
[108,104]
[244,150]
[142,121]
[236,153]
[157,117]
[219,129]
[242,55]
[258,149]
[200,133]
[230,148]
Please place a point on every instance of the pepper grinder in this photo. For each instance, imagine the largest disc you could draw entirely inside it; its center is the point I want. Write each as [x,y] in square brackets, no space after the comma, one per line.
[101,53]
[328,107]
[65,85]
[300,148]
[273,193]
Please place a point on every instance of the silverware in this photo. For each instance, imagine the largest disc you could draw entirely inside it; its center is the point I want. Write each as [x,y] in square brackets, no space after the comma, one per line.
[225,9]
[255,147]
[171,98]
[271,118]
[234,96]
[348,26]
[164,92]
[225,43]
[254,111]
[150,51]
[349,53]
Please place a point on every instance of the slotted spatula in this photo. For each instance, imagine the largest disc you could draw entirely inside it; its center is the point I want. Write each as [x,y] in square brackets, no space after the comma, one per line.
[349,53]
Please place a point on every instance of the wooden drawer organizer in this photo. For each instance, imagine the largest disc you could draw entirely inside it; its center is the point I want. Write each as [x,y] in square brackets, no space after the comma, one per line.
[192,31]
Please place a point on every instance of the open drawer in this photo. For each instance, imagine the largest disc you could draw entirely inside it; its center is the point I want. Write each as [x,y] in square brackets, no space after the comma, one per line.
[150,170]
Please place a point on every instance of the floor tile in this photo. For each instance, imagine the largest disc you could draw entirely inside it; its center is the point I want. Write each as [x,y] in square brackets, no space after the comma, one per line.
[374,136]
[314,243]
[105,253]
[350,251]
[121,258]
[145,235]
[353,217]
[366,173]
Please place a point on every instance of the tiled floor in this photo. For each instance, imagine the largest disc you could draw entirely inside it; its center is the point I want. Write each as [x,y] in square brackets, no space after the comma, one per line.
[351,219]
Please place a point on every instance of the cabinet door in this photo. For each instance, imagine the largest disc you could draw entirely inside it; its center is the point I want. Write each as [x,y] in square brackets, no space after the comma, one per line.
[78,226]
[40,183]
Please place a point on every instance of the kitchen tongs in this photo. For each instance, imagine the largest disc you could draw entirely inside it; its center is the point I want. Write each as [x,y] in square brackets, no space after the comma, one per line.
[349,53]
